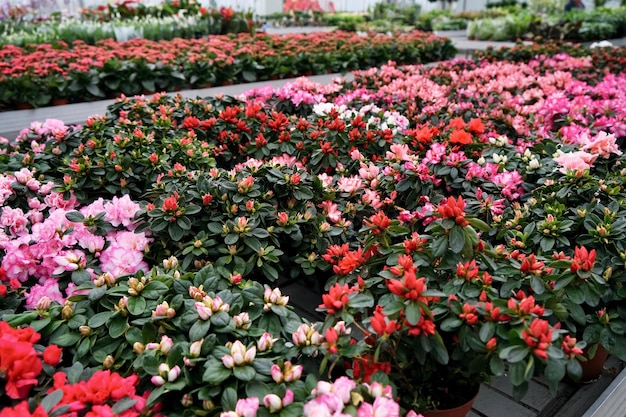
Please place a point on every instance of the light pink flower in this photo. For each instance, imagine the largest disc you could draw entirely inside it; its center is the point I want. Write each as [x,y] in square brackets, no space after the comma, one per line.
[575,161]
[50,289]
[121,211]
[602,144]
[121,261]
[247,407]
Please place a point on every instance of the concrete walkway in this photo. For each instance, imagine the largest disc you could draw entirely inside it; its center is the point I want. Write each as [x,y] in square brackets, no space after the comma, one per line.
[494,399]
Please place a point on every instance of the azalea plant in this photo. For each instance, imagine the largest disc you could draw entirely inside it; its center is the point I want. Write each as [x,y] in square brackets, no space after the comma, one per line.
[457,221]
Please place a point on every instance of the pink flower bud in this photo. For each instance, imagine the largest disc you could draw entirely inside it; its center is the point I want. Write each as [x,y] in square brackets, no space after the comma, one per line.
[203,311]
[157,380]
[195,348]
[173,374]
[164,370]
[250,355]
[272,402]
[228,361]
[276,373]
[166,344]
[288,398]
[266,342]
[292,373]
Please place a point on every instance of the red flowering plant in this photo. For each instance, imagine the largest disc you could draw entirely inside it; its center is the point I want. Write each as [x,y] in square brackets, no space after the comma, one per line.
[429,314]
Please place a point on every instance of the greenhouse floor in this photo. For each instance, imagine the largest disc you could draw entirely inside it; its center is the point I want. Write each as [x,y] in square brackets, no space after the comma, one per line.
[605,397]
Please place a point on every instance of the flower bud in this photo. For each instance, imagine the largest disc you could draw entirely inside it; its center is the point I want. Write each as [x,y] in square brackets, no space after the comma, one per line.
[208,405]
[157,380]
[108,362]
[195,348]
[138,348]
[44,303]
[272,402]
[166,344]
[84,330]
[228,361]
[67,312]
[173,374]
[186,400]
[277,374]
[170,263]
[607,274]
[265,342]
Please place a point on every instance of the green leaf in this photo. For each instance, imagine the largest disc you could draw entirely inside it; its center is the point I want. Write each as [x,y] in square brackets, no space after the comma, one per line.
[456,239]
[451,324]
[199,329]
[81,276]
[123,405]
[554,371]
[175,231]
[487,331]
[99,319]
[52,399]
[65,339]
[231,239]
[229,399]
[154,289]
[357,300]
[117,327]
[215,372]
[496,365]
[75,216]
[136,305]
[154,396]
[257,389]
[97,293]
[220,319]
[517,373]
[413,313]
[244,373]
[514,354]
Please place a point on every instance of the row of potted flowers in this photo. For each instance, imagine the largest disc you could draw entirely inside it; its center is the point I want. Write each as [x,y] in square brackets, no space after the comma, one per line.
[184,25]
[38,74]
[462,219]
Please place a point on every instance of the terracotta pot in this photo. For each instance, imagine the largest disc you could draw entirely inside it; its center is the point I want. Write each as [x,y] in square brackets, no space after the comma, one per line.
[592,367]
[24,106]
[59,101]
[460,411]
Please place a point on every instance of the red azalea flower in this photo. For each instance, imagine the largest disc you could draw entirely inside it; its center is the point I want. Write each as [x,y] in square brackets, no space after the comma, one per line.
[460,137]
[52,355]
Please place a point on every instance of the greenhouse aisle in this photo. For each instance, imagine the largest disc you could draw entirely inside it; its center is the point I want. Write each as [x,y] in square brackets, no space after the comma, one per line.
[494,399]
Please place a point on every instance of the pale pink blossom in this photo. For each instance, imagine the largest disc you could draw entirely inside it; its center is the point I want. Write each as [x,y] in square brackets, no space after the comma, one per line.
[575,161]
[602,144]
[121,211]
[121,261]
[49,288]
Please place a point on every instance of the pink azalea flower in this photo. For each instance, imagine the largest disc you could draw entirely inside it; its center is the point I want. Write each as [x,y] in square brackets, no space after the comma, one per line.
[121,261]
[602,144]
[575,161]
[50,289]
[121,211]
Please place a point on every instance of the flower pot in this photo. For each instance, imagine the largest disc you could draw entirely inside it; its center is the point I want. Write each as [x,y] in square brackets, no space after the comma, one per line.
[460,411]
[592,367]
[24,106]
[59,101]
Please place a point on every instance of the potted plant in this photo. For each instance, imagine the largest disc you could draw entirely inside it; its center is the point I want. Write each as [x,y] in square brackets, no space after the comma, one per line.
[429,316]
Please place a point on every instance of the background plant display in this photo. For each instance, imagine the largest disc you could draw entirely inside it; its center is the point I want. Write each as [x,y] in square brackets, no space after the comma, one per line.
[467,213]
[37,74]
